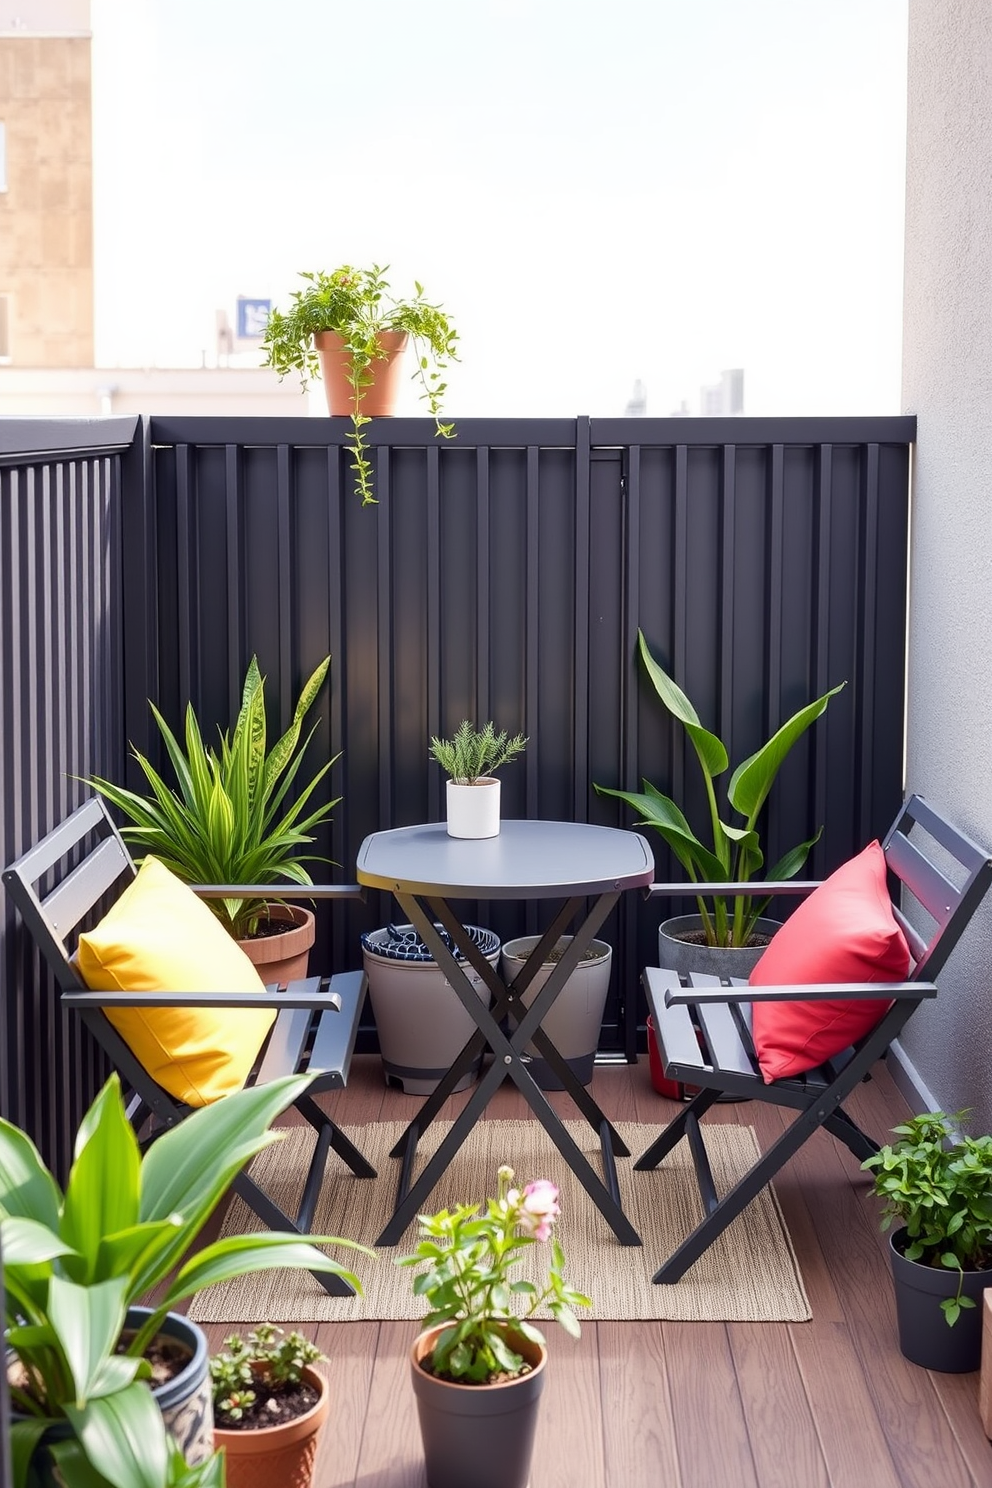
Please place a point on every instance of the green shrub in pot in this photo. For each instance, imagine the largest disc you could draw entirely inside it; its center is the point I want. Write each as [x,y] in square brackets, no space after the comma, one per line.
[76,1261]
[357,305]
[735,855]
[228,822]
[938,1181]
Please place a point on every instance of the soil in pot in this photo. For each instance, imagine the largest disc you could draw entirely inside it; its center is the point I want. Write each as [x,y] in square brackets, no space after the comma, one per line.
[282,1453]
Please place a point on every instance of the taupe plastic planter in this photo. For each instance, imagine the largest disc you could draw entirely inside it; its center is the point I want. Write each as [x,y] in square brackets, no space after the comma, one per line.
[576,1017]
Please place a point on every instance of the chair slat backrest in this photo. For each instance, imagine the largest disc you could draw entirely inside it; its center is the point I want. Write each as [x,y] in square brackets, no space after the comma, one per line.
[52,915]
[949,904]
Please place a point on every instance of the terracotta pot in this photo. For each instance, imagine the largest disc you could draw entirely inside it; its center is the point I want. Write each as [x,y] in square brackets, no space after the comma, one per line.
[285,957]
[380,397]
[478,1436]
[473,810]
[276,1456]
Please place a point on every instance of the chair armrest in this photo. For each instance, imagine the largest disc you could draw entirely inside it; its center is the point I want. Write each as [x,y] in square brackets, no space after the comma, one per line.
[728,890]
[279,891]
[836,992]
[315,1001]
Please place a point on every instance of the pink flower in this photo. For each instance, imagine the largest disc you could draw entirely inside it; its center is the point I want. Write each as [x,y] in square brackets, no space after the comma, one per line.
[539,1209]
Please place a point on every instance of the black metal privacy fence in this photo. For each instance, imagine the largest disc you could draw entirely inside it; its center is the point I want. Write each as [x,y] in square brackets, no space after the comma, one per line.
[502,575]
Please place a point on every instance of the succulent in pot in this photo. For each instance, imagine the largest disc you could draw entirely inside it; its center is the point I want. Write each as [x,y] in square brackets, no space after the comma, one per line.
[356,307]
[479,1339]
[229,822]
[269,1406]
[76,1264]
[735,855]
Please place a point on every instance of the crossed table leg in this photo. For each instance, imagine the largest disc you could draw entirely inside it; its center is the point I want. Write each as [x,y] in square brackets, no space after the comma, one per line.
[508,1051]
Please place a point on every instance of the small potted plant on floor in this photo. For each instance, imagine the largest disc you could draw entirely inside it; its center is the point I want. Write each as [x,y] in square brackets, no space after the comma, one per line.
[938,1181]
[348,326]
[478,1366]
[722,925]
[77,1264]
[269,1406]
[470,759]
[227,822]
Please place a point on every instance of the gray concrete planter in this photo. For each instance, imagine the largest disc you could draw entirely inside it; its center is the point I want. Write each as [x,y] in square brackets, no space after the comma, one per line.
[684,956]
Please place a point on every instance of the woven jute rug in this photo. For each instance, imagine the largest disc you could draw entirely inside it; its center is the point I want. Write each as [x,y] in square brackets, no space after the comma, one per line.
[749,1274]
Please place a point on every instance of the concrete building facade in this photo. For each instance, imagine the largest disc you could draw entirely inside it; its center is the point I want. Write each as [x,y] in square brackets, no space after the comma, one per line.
[46,196]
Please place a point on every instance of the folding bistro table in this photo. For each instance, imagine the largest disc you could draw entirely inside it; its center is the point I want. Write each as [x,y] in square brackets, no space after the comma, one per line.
[428,872]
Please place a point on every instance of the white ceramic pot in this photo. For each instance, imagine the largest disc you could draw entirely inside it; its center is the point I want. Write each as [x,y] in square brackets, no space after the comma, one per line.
[473,810]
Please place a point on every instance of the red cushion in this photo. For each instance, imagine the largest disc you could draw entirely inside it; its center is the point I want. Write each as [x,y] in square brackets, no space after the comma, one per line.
[844,932]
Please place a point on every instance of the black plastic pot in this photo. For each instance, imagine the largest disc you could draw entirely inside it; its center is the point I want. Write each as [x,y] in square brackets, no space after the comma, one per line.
[478,1436]
[925,1337]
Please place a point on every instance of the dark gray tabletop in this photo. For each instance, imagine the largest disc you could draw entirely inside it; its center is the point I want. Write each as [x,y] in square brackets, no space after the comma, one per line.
[527,860]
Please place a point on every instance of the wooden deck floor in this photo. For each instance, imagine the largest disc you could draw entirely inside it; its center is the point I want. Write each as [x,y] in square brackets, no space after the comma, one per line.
[826,1404]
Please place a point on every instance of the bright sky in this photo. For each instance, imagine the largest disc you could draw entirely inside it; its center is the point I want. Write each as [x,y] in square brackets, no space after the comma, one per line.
[595,190]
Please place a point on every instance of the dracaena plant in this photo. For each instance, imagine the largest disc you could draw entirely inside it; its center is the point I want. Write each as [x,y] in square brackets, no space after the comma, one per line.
[469,1257]
[76,1261]
[229,822]
[358,306]
[938,1181]
[474,752]
[734,854]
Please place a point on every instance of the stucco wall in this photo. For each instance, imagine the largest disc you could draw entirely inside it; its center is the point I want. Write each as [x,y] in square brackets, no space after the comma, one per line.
[947,383]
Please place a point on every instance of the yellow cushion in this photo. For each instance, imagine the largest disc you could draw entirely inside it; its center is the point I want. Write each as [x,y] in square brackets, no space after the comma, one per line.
[159,937]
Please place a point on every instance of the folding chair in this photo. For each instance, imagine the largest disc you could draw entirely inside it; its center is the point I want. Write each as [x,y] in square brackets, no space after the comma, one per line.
[703,1026]
[79,868]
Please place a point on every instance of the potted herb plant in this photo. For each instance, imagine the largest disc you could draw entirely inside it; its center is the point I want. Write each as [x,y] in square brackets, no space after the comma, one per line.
[735,855]
[478,1366]
[77,1262]
[348,326]
[269,1406]
[228,822]
[470,759]
[938,1181]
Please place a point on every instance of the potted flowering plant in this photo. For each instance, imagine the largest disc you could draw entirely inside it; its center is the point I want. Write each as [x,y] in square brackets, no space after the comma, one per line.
[269,1406]
[478,1366]
[347,326]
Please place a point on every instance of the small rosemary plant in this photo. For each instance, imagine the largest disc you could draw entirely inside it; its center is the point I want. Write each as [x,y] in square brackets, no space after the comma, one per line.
[471,754]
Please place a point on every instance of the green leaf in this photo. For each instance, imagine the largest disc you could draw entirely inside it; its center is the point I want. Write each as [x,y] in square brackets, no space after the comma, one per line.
[88,1321]
[261,1251]
[27,1188]
[752,780]
[124,1437]
[94,1207]
[712,751]
[25,1242]
[185,1172]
